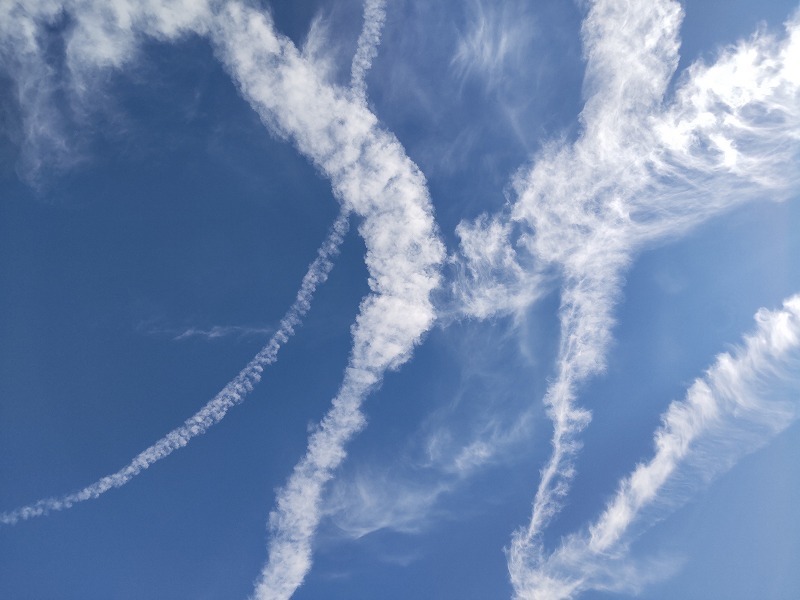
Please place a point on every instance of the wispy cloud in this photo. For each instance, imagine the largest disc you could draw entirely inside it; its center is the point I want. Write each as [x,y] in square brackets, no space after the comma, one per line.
[494,42]
[644,169]
[215,332]
[215,410]
[370,175]
[745,399]
[484,425]
[54,53]
[373,499]
[219,331]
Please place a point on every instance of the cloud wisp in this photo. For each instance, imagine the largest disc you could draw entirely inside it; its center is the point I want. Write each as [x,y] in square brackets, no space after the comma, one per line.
[220,331]
[53,52]
[645,168]
[745,399]
[215,410]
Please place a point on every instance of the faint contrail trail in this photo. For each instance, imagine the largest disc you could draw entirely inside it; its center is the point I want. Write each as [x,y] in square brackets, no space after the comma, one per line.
[216,409]
[367,49]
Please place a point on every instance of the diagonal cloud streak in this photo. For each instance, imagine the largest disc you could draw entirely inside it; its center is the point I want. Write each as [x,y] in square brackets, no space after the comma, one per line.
[745,399]
[215,410]
[368,168]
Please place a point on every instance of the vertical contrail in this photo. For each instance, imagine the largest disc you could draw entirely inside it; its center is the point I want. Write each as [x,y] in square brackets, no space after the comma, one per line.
[216,409]
[367,48]
[576,198]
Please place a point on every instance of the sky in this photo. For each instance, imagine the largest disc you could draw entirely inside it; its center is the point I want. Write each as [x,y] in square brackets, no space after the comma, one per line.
[395,299]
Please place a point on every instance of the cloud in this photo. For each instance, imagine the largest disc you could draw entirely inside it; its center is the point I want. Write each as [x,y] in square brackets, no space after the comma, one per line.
[214,332]
[374,499]
[369,172]
[219,331]
[745,399]
[645,168]
[55,52]
[495,41]
[215,410]
[489,278]
[484,425]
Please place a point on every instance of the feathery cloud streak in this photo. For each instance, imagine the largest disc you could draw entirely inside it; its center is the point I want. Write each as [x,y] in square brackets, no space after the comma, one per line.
[215,410]
[96,35]
[746,398]
[642,170]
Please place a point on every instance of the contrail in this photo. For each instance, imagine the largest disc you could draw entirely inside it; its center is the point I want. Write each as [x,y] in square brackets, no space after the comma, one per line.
[212,413]
[745,399]
[367,48]
[371,174]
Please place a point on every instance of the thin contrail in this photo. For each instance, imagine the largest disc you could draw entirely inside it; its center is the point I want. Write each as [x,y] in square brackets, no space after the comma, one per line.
[212,413]
[367,48]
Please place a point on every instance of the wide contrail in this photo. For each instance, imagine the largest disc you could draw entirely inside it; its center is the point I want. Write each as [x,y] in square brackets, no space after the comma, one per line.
[216,409]
[744,400]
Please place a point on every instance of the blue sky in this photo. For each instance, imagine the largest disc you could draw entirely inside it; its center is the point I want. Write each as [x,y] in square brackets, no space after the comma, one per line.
[530,367]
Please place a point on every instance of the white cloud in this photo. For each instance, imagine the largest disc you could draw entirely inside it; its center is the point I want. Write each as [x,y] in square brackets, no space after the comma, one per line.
[220,331]
[367,47]
[374,499]
[644,169]
[495,41]
[369,172]
[745,399]
[54,52]
[489,278]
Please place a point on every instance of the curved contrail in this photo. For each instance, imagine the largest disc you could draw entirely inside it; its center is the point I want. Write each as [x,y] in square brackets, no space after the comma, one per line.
[215,410]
